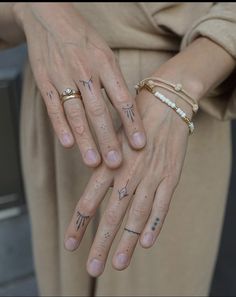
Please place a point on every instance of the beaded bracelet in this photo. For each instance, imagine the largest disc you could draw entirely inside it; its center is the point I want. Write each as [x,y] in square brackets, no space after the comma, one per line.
[171,104]
[174,88]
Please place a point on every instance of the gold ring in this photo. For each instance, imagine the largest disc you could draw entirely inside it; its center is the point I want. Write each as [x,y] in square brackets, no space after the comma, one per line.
[69,97]
[69,94]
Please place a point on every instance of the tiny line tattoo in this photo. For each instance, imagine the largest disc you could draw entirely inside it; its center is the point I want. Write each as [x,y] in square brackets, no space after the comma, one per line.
[81,220]
[155,224]
[87,83]
[123,192]
[129,110]
[131,231]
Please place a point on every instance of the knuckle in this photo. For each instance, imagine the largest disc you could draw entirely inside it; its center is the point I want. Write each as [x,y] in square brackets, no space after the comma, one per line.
[74,114]
[87,207]
[97,109]
[138,211]
[105,55]
[163,205]
[54,112]
[112,217]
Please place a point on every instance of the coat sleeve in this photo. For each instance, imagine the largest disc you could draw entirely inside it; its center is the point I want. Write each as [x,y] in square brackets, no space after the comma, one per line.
[219,25]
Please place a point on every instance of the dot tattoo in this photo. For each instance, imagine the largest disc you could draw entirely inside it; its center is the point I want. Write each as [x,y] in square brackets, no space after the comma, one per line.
[123,192]
[155,224]
[80,220]
[49,94]
[87,83]
[131,231]
[129,110]
[107,235]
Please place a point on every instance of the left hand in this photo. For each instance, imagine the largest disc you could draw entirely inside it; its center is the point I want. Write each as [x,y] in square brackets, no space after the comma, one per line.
[148,178]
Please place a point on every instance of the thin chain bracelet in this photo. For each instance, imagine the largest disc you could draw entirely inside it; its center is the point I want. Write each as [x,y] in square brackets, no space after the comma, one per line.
[176,88]
[172,105]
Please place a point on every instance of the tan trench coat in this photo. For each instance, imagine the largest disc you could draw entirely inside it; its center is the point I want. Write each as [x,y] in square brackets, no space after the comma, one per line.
[143,36]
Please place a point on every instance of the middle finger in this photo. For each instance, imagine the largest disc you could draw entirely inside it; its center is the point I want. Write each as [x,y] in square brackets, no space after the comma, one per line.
[100,117]
[112,218]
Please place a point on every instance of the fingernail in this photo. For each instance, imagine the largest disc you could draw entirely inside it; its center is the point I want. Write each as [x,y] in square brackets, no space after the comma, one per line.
[148,239]
[71,244]
[122,259]
[139,139]
[66,139]
[91,156]
[96,267]
[113,157]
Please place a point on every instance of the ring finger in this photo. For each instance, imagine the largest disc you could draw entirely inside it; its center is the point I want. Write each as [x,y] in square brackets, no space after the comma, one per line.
[76,117]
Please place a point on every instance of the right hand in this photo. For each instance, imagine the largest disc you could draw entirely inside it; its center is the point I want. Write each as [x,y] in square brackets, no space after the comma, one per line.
[65,52]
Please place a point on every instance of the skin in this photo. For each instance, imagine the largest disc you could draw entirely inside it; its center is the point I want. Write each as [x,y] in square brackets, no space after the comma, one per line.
[78,58]
[148,178]
[145,182]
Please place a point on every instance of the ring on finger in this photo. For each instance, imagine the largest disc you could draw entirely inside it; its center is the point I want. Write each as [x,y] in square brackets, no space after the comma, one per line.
[69,94]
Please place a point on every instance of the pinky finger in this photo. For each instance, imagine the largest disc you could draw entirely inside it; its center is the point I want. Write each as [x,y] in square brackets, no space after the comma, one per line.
[159,211]
[56,114]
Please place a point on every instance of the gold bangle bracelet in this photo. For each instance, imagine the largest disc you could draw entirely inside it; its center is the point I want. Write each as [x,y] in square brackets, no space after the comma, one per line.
[176,88]
[171,104]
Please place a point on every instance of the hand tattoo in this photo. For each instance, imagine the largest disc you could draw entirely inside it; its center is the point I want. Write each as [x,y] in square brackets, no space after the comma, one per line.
[129,110]
[123,192]
[80,220]
[131,231]
[87,83]
[155,224]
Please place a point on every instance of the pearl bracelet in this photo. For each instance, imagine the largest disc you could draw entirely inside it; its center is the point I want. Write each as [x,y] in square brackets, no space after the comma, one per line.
[177,109]
[172,105]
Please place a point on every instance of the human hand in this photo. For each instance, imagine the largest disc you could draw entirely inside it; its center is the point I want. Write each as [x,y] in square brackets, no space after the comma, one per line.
[145,181]
[65,52]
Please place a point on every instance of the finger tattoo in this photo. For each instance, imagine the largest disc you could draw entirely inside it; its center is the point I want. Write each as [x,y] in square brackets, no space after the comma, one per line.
[49,94]
[155,224]
[87,83]
[129,110]
[81,219]
[131,231]
[123,192]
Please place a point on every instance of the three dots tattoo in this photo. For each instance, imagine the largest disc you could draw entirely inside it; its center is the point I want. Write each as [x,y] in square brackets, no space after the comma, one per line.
[155,224]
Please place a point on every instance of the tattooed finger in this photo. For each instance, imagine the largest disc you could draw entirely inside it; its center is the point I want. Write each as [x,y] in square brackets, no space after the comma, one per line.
[94,193]
[137,217]
[159,211]
[110,223]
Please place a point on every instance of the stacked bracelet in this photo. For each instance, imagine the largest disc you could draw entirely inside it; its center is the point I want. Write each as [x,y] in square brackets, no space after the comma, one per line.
[150,87]
[174,88]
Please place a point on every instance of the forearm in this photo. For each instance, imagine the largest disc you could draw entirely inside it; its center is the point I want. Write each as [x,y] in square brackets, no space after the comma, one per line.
[10,31]
[200,67]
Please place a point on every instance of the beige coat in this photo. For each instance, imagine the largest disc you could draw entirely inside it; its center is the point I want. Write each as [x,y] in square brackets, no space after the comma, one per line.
[143,36]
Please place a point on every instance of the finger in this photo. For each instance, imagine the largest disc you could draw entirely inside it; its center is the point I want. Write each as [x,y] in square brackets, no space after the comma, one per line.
[56,113]
[100,117]
[122,193]
[76,117]
[125,104]
[158,214]
[86,207]
[137,218]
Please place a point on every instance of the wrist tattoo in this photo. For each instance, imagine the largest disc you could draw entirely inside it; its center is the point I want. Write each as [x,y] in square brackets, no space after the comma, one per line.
[80,220]
[129,111]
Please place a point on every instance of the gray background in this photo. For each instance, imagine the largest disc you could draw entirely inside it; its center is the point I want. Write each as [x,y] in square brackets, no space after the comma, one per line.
[16,264]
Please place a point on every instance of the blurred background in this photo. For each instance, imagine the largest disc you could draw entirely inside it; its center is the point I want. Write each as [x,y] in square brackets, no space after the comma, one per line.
[17,276]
